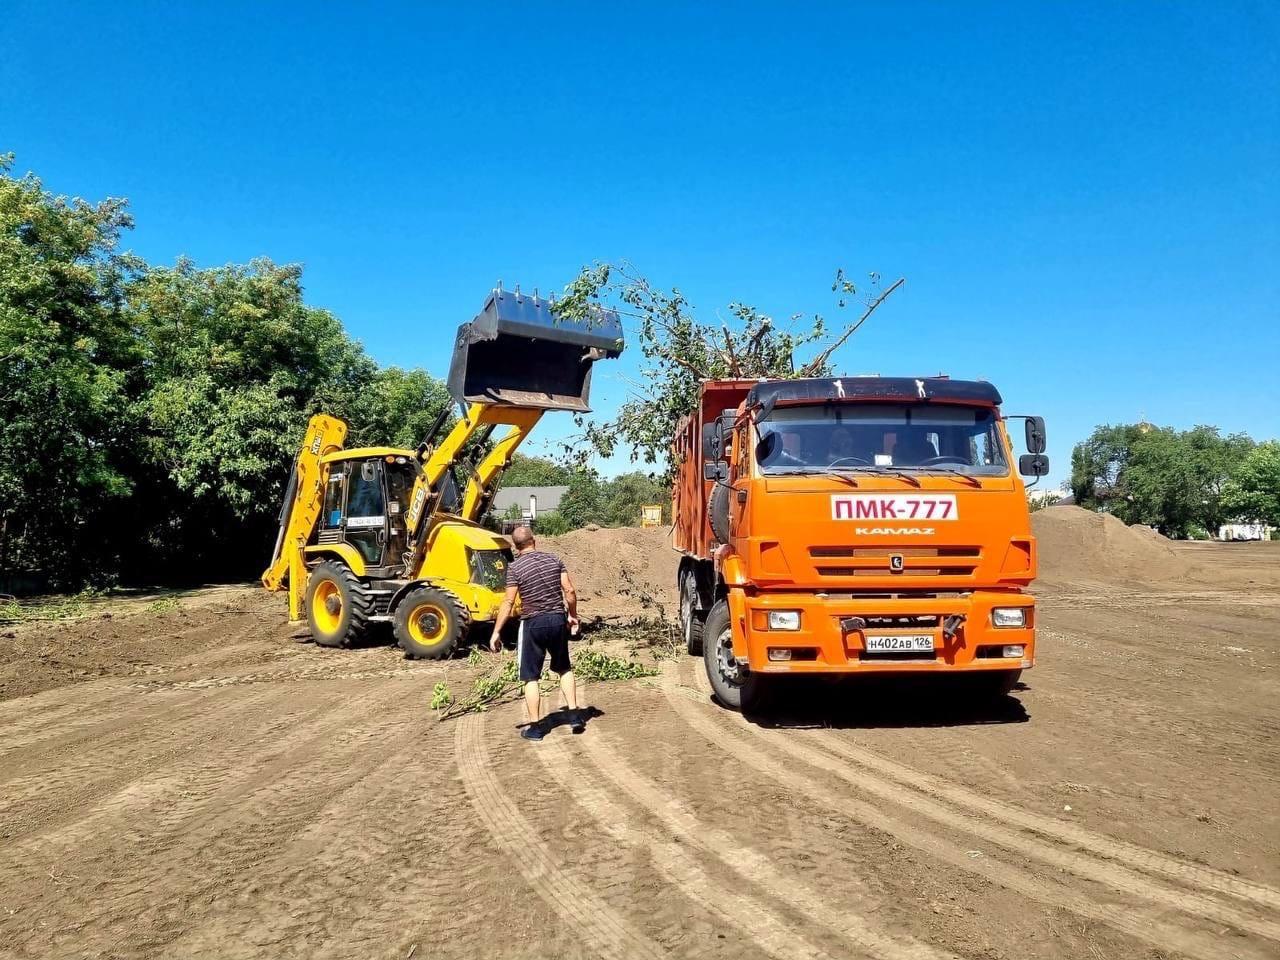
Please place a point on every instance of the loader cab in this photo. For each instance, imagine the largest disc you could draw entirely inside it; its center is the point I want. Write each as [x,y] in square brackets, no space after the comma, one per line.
[365,500]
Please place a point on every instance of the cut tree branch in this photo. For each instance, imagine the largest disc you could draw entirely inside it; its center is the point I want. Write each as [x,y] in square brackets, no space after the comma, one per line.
[818,362]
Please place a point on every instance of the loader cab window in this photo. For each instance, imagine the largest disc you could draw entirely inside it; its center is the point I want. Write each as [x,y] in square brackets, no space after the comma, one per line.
[331,518]
[366,510]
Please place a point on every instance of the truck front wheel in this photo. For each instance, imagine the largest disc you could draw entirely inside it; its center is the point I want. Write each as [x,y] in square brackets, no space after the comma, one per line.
[734,685]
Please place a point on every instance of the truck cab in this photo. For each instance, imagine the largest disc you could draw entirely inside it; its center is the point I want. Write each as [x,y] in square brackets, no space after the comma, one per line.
[856,525]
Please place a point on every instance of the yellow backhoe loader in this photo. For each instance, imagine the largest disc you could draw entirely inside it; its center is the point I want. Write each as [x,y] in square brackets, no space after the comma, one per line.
[383,534]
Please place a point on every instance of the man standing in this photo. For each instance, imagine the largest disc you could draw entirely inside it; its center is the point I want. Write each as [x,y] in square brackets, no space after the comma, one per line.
[548,610]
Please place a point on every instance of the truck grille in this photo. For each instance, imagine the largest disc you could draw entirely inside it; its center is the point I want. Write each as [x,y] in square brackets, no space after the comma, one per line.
[875,561]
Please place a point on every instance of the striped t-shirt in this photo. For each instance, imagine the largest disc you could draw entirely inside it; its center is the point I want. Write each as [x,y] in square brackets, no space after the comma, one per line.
[537,576]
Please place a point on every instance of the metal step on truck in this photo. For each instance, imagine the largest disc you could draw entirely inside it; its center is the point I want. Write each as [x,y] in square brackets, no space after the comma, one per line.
[855,525]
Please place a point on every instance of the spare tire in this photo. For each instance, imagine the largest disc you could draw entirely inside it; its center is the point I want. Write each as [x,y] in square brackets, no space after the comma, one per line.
[718,511]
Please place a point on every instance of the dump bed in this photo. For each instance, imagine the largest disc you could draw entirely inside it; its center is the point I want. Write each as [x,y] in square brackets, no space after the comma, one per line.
[691,492]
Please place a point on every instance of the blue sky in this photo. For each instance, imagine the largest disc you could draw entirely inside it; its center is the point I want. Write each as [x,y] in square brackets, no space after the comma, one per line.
[1085,199]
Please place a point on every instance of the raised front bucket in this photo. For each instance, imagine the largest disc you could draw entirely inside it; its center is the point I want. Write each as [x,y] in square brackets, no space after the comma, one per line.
[518,352]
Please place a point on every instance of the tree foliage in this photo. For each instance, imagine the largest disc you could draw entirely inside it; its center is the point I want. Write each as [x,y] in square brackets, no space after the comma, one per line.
[680,351]
[1252,494]
[149,414]
[1157,476]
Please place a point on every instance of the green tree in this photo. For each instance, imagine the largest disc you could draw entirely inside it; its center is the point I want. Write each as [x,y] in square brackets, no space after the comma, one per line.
[530,471]
[1157,476]
[680,351]
[582,503]
[624,495]
[66,355]
[1252,494]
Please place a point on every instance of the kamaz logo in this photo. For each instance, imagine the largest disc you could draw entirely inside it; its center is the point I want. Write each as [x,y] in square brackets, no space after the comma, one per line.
[893,531]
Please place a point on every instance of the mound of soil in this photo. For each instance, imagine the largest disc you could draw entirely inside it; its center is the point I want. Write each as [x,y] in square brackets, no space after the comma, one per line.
[1077,545]
[620,572]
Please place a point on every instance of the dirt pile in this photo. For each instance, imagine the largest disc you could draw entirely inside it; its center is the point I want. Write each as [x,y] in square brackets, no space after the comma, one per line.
[1078,545]
[620,571]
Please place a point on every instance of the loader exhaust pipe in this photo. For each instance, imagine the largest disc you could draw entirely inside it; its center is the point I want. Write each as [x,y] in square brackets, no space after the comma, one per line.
[518,351]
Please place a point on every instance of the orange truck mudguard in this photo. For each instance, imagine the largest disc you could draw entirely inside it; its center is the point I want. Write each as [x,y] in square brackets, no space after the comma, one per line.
[855,525]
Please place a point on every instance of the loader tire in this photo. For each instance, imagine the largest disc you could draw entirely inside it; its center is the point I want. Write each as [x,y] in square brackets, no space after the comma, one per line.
[735,687]
[430,623]
[338,605]
[718,511]
[691,618]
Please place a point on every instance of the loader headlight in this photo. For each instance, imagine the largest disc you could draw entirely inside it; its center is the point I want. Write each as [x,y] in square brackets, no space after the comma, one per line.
[1009,617]
[784,619]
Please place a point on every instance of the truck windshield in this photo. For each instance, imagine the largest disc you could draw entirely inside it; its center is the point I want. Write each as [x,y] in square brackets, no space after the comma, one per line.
[870,436]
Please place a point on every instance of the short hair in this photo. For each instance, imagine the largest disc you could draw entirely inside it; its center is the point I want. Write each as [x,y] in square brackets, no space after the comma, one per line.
[522,537]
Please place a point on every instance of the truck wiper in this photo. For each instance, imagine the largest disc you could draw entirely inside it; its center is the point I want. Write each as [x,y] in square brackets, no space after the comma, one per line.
[884,471]
[813,472]
[951,472]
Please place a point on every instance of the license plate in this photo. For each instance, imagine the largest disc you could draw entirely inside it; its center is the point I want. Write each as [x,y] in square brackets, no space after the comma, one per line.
[900,643]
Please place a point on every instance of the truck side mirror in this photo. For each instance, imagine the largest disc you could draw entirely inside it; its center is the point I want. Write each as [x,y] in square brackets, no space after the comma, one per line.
[1035,435]
[716,470]
[1033,464]
[713,441]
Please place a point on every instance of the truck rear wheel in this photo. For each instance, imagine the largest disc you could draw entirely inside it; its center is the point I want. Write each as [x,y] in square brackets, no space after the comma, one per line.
[691,618]
[734,686]
[430,623]
[338,605]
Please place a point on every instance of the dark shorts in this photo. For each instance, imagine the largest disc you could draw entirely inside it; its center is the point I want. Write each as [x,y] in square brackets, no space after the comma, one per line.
[541,634]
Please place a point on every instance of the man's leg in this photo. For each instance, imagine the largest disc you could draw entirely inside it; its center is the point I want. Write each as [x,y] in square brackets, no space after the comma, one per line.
[569,688]
[533,701]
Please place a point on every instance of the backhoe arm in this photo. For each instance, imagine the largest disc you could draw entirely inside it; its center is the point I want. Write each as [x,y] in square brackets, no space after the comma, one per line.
[304,498]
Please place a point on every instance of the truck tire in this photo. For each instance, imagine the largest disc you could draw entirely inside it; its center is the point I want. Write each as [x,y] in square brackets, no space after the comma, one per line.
[718,511]
[430,623]
[691,618]
[735,687]
[338,605]
[993,684]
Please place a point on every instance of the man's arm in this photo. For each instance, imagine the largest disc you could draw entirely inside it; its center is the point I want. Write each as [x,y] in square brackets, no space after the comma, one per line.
[504,614]
[570,597]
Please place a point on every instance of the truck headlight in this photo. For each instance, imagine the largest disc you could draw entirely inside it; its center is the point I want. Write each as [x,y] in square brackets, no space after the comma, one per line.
[1009,617]
[784,619]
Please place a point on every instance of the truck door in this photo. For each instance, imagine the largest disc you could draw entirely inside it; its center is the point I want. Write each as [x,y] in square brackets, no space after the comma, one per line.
[366,526]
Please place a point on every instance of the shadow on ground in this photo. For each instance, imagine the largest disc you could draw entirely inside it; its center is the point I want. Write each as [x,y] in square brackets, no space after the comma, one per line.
[870,702]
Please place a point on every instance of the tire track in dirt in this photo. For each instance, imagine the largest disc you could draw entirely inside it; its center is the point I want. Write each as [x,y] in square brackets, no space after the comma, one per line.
[194,850]
[1140,923]
[844,917]
[158,803]
[607,932]
[43,716]
[1112,849]
[65,785]
[754,917]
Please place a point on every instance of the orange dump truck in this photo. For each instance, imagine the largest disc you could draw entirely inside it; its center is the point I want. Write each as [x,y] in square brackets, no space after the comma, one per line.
[855,525]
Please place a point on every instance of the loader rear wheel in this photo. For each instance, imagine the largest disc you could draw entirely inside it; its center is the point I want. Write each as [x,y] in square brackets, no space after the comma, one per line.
[430,623]
[736,687]
[338,606]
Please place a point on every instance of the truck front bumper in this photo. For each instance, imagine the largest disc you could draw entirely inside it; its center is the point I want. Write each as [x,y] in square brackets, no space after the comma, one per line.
[834,629]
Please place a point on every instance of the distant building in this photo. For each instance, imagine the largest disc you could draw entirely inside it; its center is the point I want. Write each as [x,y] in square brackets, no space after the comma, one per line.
[532,501]
[1244,531]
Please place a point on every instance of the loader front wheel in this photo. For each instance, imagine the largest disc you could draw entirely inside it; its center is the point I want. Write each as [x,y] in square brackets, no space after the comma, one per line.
[430,623]
[338,606]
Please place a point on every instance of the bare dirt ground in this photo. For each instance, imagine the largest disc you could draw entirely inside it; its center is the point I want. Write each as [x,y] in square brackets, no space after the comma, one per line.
[198,783]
